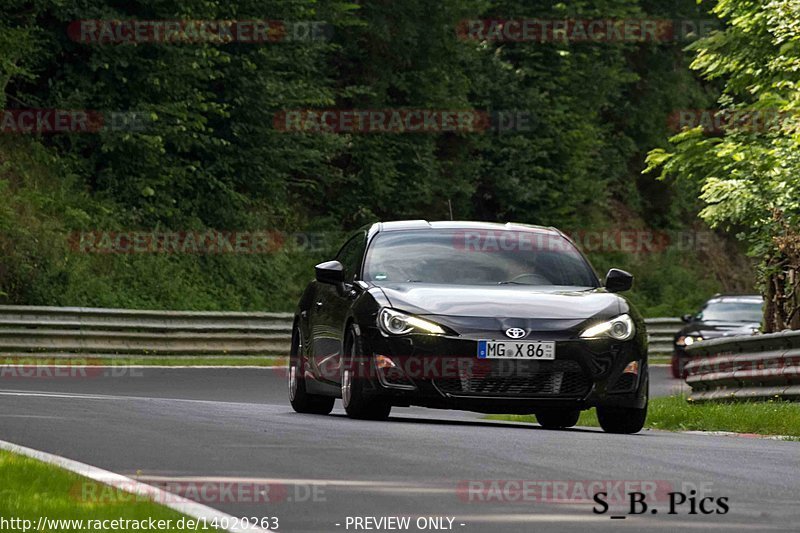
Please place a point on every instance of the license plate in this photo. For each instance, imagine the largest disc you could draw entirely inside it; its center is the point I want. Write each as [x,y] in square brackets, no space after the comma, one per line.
[541,351]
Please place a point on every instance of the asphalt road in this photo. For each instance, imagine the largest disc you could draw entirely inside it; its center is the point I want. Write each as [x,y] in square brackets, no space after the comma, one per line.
[224,426]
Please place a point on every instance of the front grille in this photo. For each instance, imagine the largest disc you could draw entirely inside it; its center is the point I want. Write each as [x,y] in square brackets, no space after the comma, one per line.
[517,378]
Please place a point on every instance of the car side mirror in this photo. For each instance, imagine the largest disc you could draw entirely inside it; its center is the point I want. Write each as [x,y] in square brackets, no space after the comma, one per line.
[330,272]
[687,318]
[618,280]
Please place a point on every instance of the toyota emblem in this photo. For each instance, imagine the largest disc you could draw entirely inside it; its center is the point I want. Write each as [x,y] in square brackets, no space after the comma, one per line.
[515,333]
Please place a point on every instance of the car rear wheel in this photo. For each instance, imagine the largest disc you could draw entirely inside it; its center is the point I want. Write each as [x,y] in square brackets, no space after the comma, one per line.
[621,419]
[558,418]
[303,402]
[353,377]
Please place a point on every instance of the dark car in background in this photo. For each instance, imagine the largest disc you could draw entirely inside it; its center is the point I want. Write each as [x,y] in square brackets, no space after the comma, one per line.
[493,318]
[721,316]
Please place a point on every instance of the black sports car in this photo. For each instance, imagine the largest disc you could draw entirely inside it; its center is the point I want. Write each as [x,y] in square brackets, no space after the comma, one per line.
[721,316]
[494,318]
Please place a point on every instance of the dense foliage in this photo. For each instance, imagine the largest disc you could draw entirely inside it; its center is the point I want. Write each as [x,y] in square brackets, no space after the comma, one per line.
[750,174]
[209,156]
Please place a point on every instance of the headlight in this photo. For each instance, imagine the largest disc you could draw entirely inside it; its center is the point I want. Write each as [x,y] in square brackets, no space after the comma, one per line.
[620,328]
[688,340]
[396,323]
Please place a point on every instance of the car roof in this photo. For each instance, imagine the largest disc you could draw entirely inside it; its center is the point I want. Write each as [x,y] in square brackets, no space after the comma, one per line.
[404,225]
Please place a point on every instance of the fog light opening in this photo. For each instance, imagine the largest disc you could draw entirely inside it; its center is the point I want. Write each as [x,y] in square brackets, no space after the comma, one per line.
[632,368]
[384,361]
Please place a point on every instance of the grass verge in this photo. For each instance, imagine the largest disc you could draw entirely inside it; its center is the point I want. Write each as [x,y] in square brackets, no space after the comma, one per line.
[674,413]
[32,489]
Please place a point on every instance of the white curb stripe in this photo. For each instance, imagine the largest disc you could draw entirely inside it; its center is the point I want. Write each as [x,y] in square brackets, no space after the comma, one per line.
[741,435]
[126,484]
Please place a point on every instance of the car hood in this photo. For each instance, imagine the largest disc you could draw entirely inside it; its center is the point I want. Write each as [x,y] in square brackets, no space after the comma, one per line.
[714,330]
[545,303]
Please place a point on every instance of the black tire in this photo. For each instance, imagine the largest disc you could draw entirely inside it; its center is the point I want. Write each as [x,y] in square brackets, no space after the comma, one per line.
[621,419]
[558,418]
[303,402]
[354,371]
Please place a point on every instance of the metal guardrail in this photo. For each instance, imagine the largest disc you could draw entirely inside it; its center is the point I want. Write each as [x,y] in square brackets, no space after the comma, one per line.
[109,333]
[66,331]
[660,333]
[741,368]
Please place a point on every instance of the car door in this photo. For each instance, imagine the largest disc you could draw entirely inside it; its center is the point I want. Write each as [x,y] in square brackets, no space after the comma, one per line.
[330,310]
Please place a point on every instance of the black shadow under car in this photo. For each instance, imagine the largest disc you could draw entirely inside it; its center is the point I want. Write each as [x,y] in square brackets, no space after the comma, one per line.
[493,318]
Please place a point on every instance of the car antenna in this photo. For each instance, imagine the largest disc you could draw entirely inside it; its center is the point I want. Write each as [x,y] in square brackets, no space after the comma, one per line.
[450,206]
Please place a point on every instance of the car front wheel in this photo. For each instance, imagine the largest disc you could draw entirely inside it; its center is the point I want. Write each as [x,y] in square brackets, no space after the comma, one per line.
[354,370]
[621,419]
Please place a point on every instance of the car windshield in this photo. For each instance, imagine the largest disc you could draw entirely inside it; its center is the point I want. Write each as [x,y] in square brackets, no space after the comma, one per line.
[732,312]
[477,257]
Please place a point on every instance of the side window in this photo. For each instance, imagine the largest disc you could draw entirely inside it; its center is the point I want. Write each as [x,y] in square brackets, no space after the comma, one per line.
[351,254]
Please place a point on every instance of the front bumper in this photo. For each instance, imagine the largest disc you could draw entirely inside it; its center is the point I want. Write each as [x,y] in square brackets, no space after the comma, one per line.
[444,372]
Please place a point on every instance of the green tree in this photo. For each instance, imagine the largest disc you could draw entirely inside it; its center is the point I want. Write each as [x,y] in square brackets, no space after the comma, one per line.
[750,174]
